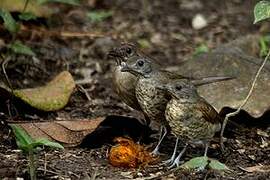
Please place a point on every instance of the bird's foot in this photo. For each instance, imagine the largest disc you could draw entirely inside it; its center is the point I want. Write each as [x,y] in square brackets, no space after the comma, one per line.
[221,143]
[168,162]
[175,163]
[155,152]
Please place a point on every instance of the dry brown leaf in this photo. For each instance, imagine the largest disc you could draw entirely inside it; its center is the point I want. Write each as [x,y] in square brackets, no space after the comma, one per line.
[68,133]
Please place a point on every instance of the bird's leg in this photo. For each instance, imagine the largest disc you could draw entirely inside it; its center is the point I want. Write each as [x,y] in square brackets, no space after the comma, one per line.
[170,161]
[146,120]
[176,162]
[161,137]
[206,149]
[222,147]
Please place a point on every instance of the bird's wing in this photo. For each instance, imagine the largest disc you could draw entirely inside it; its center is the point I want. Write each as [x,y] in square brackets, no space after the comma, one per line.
[172,76]
[209,113]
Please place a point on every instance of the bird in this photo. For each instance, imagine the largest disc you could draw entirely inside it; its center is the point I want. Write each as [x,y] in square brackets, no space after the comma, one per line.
[191,118]
[124,83]
[153,101]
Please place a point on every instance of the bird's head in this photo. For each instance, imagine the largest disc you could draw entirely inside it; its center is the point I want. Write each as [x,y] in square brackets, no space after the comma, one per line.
[180,89]
[139,66]
[123,52]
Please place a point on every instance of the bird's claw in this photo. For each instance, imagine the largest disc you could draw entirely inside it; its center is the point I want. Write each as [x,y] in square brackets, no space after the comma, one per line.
[222,147]
[167,162]
[155,152]
[175,163]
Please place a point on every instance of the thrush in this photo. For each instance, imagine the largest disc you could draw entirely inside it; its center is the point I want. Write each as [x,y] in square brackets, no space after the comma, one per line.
[124,83]
[191,118]
[153,101]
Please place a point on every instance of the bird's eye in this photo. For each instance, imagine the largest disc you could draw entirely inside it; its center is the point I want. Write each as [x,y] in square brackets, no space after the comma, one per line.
[140,63]
[178,88]
[129,50]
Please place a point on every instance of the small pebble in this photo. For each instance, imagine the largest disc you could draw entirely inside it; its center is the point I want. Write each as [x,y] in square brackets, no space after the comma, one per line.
[199,22]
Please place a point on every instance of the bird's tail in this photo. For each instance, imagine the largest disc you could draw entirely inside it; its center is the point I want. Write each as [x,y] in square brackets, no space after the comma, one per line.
[210,79]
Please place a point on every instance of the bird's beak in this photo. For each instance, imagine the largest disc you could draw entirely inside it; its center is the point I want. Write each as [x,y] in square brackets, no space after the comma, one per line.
[124,67]
[112,54]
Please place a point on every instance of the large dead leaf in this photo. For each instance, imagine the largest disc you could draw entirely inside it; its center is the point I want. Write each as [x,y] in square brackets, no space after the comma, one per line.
[50,97]
[233,59]
[68,133]
[90,133]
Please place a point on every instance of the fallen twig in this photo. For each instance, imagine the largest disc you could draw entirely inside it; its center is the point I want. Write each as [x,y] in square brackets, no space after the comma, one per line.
[81,88]
[4,64]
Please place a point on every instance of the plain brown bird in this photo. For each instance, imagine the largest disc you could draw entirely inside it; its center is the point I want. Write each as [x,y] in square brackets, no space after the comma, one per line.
[191,118]
[153,101]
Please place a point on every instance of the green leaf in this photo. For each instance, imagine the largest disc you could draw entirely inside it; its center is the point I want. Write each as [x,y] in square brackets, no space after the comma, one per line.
[9,22]
[261,11]
[98,16]
[216,165]
[27,16]
[71,2]
[201,49]
[196,163]
[23,139]
[19,48]
[46,142]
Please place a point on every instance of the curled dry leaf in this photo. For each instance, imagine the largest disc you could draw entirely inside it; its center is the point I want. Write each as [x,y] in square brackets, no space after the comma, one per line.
[128,154]
[51,97]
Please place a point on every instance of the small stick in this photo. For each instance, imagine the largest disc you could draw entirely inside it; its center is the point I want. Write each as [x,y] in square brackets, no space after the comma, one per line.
[85,92]
[4,63]
[244,102]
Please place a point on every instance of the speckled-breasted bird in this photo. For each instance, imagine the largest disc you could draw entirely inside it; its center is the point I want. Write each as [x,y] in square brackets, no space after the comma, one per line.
[153,101]
[191,118]
[124,83]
